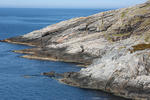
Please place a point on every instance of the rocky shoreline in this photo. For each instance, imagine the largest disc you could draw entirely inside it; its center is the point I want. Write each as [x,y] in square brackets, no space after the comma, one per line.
[54,54]
[114,44]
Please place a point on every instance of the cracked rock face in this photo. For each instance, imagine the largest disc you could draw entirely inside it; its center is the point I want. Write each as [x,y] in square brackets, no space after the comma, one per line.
[122,73]
[116,43]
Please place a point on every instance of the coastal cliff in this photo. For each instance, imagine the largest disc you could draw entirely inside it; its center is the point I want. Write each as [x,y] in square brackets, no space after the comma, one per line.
[114,45]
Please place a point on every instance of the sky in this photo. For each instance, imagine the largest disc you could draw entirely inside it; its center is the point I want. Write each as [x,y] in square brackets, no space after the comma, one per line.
[68,3]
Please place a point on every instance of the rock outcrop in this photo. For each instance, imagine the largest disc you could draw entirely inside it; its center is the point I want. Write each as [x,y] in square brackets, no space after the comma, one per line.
[115,44]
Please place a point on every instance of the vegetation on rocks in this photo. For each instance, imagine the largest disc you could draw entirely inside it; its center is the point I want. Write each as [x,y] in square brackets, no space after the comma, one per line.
[140,47]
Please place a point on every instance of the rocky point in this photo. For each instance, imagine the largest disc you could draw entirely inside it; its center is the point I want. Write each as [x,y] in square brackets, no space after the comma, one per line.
[114,45]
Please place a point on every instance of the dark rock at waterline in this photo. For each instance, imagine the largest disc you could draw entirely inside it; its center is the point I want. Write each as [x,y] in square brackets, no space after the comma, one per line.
[50,74]
[62,75]
[57,75]
[58,54]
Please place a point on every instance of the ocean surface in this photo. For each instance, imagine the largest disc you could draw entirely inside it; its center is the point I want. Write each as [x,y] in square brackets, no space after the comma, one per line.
[20,78]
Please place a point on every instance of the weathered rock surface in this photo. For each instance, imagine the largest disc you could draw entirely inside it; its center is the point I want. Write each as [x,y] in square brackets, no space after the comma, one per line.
[115,44]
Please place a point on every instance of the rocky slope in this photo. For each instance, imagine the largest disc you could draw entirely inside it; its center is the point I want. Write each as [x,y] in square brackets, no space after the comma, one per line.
[115,44]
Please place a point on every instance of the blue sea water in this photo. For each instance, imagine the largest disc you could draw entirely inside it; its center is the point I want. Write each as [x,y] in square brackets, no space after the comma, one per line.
[20,78]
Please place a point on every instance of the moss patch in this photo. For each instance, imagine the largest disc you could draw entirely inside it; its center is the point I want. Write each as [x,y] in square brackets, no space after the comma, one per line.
[140,47]
[147,39]
[123,14]
[121,34]
[108,37]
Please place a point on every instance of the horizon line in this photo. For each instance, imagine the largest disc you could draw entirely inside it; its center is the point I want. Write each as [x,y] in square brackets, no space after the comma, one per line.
[57,8]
